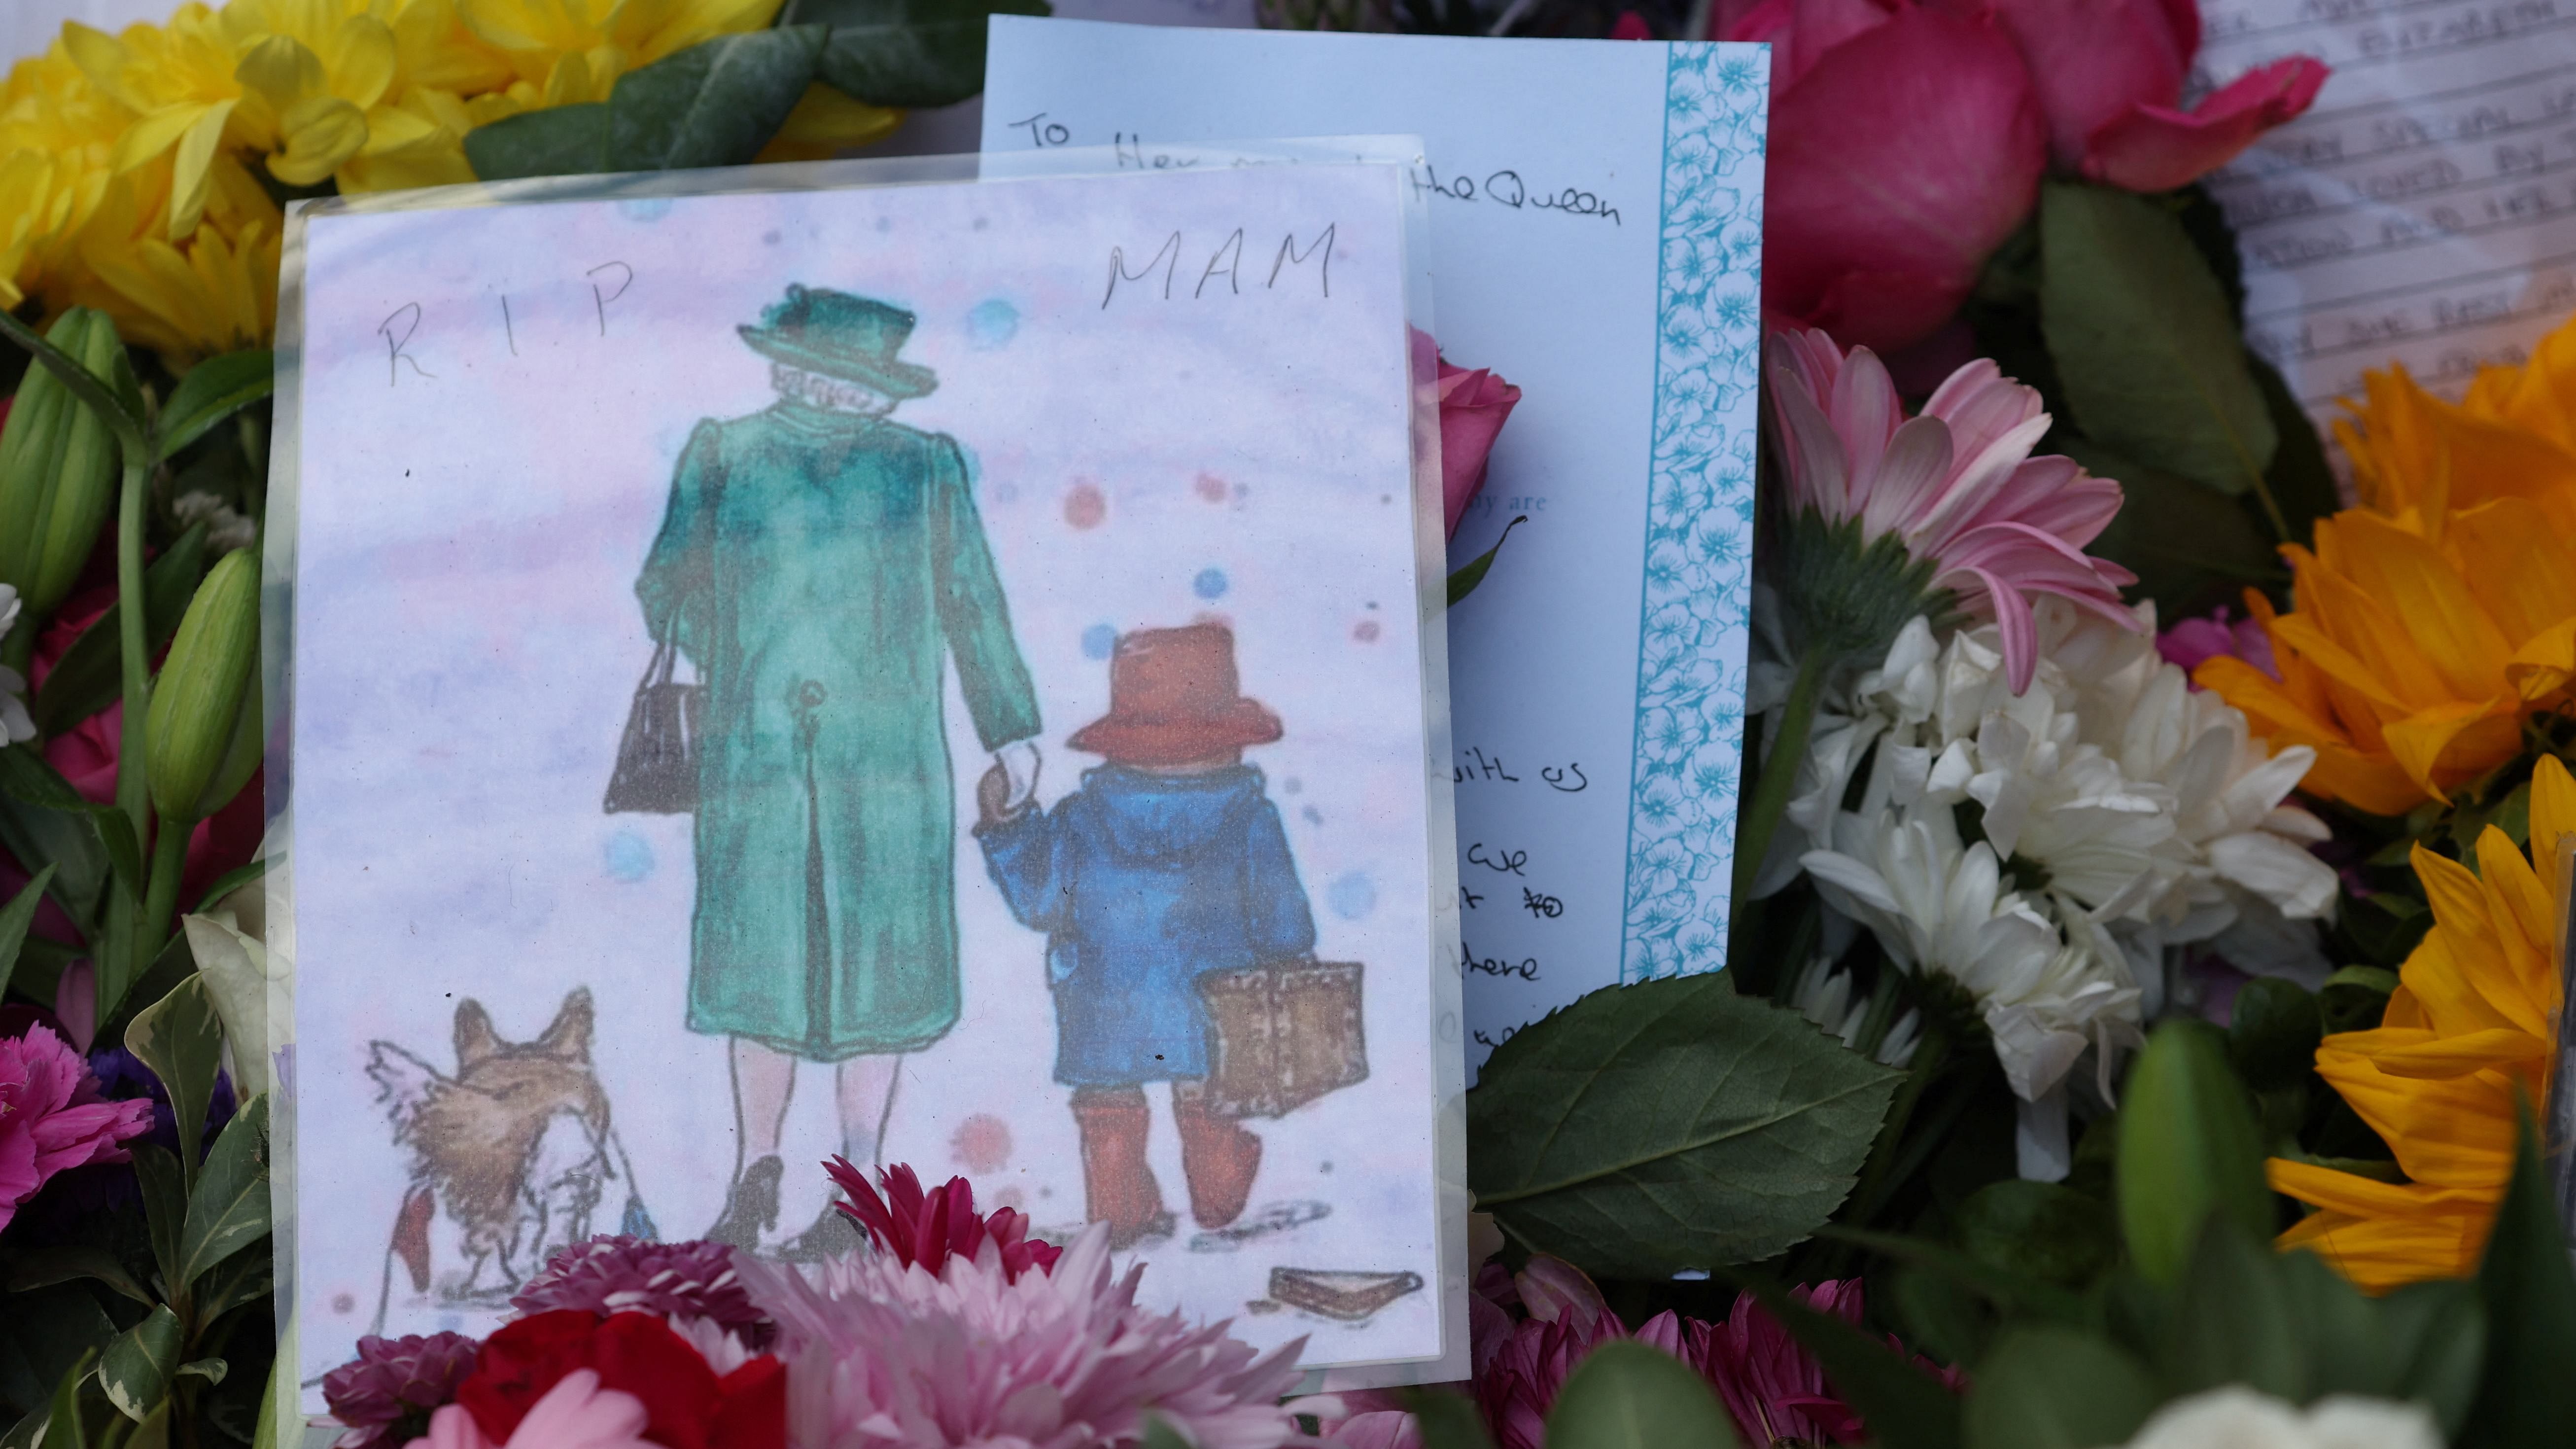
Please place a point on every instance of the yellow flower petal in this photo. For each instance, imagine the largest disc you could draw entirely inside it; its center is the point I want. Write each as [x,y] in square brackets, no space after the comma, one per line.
[321,133]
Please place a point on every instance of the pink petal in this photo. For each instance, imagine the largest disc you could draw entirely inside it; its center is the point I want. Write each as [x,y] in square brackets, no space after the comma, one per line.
[76,1003]
[1981,404]
[2012,620]
[2155,148]
[1819,472]
[1909,477]
[2093,60]
[1865,411]
[2055,495]
[1897,162]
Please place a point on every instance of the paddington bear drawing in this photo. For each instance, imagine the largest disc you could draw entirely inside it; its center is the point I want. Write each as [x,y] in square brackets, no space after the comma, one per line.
[1167,864]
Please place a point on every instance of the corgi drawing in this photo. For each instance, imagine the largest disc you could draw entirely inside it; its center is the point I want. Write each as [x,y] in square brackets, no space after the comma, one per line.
[514,1150]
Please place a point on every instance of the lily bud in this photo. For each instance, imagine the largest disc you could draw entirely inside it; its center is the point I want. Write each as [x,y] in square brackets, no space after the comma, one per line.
[189,736]
[58,470]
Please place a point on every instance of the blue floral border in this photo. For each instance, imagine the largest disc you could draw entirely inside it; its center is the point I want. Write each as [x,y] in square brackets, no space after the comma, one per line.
[1697,598]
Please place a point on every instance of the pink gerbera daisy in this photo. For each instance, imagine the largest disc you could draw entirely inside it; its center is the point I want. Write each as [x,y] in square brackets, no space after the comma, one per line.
[1956,487]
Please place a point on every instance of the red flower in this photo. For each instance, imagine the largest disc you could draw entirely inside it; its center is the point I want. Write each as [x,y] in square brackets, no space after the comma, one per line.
[925,1228]
[689,1406]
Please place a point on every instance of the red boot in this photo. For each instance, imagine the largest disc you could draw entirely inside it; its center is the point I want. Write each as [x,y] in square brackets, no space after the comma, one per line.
[1118,1185]
[1218,1157]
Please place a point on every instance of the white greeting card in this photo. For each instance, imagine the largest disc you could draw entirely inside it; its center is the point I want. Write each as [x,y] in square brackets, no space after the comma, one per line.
[942,673]
[1596,220]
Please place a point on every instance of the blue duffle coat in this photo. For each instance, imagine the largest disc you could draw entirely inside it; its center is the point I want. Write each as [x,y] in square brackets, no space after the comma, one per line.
[1144,883]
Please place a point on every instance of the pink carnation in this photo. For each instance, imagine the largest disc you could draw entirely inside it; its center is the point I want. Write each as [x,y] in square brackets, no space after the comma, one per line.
[882,1351]
[52,1117]
[1956,486]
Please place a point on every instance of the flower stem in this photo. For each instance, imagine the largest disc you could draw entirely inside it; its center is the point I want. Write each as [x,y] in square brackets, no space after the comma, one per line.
[134,649]
[169,859]
[1779,775]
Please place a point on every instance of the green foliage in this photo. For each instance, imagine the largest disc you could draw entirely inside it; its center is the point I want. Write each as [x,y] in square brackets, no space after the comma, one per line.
[911,53]
[84,680]
[1464,581]
[2272,1033]
[2191,547]
[2039,1231]
[57,472]
[137,1368]
[214,390]
[197,707]
[2188,1148]
[2145,343]
[2056,1388]
[2526,1395]
[1632,1396]
[182,1041]
[1447,1421]
[229,1209]
[1668,1125]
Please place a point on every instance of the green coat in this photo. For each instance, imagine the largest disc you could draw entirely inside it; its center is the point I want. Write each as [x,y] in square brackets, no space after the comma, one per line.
[816,568]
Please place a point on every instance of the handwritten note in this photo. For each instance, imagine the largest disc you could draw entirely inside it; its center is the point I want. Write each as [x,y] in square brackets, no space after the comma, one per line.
[1599,251]
[2424,210]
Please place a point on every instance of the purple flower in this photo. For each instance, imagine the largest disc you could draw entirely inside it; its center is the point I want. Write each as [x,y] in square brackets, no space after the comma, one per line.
[386,1394]
[2191,641]
[613,1273]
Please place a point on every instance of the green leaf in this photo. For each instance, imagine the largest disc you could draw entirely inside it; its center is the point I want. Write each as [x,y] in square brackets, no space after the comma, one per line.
[2386,926]
[41,964]
[168,968]
[1627,1395]
[1669,1125]
[165,1208]
[182,1040]
[212,1370]
[2437,1337]
[44,1267]
[2273,1032]
[63,1427]
[235,968]
[911,53]
[44,1335]
[2188,1148]
[154,1431]
[714,104]
[2055,1388]
[2526,1396]
[1940,1316]
[16,917]
[560,141]
[246,1278]
[214,390]
[117,399]
[1159,1434]
[136,1369]
[1447,1420]
[87,678]
[2302,481]
[2039,1230]
[231,881]
[1904,1407]
[1464,581]
[2232,1320]
[2150,355]
[2191,549]
[62,836]
[2022,1295]
[277,1404]
[228,1211]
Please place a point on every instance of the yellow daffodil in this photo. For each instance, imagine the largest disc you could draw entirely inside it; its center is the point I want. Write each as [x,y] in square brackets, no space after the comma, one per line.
[2468,1036]
[2432,620]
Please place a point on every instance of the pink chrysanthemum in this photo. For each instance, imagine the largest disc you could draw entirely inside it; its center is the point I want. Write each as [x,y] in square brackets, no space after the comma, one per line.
[929,1228]
[613,1273]
[882,1352]
[1956,487]
[385,1394]
[52,1117]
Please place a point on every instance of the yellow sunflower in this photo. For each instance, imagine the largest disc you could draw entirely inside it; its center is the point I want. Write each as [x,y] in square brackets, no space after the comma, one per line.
[2432,620]
[2468,1035]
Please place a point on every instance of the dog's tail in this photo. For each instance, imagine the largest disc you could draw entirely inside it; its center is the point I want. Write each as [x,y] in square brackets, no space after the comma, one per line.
[404,1084]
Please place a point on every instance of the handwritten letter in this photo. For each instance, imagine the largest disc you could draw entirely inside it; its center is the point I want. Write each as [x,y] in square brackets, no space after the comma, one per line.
[2422,212]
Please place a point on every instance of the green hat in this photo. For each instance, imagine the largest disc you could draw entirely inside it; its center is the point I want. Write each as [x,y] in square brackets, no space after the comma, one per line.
[841,336]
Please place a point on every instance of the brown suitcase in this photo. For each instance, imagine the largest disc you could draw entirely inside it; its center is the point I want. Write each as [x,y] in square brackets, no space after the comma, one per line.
[1282,1034]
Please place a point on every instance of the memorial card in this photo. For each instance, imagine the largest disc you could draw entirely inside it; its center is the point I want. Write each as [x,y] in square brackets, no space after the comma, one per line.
[1600,250]
[944,674]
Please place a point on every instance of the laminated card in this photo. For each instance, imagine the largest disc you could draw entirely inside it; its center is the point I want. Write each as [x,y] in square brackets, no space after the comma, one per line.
[1596,218]
[945,673]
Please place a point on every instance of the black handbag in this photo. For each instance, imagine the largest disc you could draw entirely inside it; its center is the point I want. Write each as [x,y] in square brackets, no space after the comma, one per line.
[657,761]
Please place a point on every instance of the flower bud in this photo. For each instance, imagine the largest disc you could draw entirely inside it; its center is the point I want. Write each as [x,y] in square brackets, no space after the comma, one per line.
[190,735]
[58,467]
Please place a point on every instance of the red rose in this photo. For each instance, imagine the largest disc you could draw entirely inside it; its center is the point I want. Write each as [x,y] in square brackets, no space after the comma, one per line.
[688,1406]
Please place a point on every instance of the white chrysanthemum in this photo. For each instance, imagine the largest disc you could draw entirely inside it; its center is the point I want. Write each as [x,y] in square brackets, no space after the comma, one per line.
[2236,1417]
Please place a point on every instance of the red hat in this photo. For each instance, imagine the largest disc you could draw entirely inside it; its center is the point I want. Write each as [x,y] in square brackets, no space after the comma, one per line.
[1174,698]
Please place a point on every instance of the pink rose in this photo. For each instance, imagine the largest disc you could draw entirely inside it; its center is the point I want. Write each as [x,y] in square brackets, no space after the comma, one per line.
[1908,139]
[2110,77]
[1906,144]
[1474,405]
[52,1117]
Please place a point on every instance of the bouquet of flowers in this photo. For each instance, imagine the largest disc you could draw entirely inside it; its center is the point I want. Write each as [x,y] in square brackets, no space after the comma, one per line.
[2150,941]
